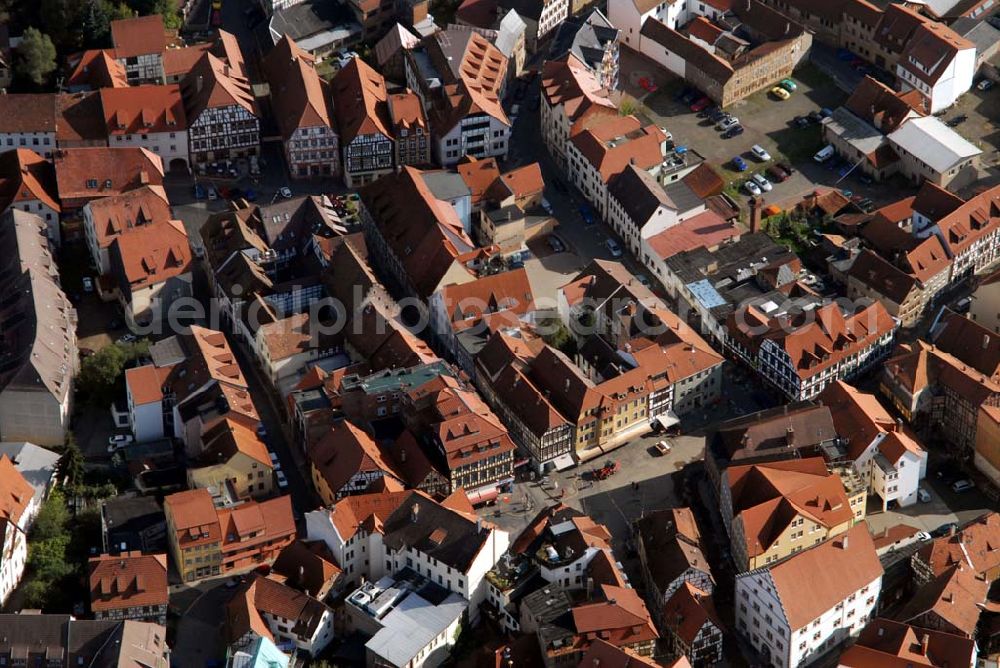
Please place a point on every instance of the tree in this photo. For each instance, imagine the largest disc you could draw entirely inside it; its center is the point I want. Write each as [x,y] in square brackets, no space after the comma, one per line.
[95,23]
[71,462]
[36,57]
[101,375]
[52,518]
[168,10]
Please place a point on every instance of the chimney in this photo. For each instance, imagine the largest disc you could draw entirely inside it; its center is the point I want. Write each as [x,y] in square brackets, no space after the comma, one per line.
[756,205]
[302,574]
[951,530]
[414,513]
[881,632]
[402,455]
[924,641]
[843,543]
[986,341]
[199,83]
[789,435]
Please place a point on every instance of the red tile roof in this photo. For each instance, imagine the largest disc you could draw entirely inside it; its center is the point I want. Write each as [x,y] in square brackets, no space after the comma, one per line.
[193,516]
[124,213]
[570,82]
[89,173]
[299,98]
[360,100]
[27,176]
[143,109]
[138,36]
[350,513]
[611,144]
[127,580]
[151,254]
[705,230]
[15,492]
[97,69]
[977,545]
[888,644]
[815,580]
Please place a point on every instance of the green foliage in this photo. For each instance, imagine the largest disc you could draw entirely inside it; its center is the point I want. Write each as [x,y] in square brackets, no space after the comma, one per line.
[52,518]
[561,339]
[102,374]
[627,107]
[36,57]
[71,461]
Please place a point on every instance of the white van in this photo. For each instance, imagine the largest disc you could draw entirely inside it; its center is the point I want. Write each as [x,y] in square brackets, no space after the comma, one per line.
[824,154]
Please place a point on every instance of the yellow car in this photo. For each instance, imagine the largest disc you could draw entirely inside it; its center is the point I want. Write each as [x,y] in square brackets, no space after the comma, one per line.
[780,93]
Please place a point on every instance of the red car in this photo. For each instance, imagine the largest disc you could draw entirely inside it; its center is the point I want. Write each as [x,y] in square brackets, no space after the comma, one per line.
[648,85]
[700,103]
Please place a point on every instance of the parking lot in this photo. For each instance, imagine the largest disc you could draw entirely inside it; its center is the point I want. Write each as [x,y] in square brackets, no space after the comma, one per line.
[767,122]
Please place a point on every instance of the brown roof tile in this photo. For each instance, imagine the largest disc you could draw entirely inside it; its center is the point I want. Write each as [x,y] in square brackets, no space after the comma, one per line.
[127,580]
[815,580]
[299,98]
[89,173]
[143,109]
[138,36]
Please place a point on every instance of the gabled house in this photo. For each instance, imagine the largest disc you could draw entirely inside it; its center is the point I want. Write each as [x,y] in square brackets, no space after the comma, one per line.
[234,456]
[222,115]
[267,608]
[360,100]
[19,504]
[139,44]
[130,585]
[28,183]
[796,610]
[887,458]
[303,108]
[106,218]
[149,116]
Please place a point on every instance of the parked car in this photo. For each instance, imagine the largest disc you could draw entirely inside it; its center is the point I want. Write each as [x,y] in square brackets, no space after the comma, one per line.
[825,112]
[662,447]
[555,244]
[648,85]
[700,104]
[199,191]
[547,206]
[824,153]
[759,153]
[788,85]
[212,193]
[739,164]
[780,93]
[788,169]
[128,337]
[776,173]
[282,480]
[613,247]
[752,188]
[963,305]
[923,495]
[285,192]
[762,182]
[945,529]
[801,122]
[923,536]
[88,284]
[958,120]
[275,464]
[728,122]
[734,131]
[985,84]
[586,213]
[961,486]
[119,441]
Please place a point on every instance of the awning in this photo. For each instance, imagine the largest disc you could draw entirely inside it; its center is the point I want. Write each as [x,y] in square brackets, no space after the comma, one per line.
[667,420]
[563,462]
[483,495]
[521,462]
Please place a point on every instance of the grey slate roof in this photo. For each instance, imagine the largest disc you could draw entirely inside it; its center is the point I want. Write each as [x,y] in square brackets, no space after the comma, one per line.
[35,463]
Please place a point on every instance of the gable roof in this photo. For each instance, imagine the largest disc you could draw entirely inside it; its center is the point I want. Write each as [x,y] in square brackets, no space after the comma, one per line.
[213,83]
[24,176]
[127,580]
[138,36]
[815,580]
[299,97]
[359,98]
[143,109]
[89,173]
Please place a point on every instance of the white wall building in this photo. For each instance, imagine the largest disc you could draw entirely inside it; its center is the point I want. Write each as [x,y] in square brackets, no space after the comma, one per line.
[939,64]
[412,518]
[797,610]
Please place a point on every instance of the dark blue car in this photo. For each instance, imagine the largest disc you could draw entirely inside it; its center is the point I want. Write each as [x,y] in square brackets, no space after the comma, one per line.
[587,214]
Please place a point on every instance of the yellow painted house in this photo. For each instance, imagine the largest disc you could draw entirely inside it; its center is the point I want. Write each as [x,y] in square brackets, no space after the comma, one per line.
[234,454]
